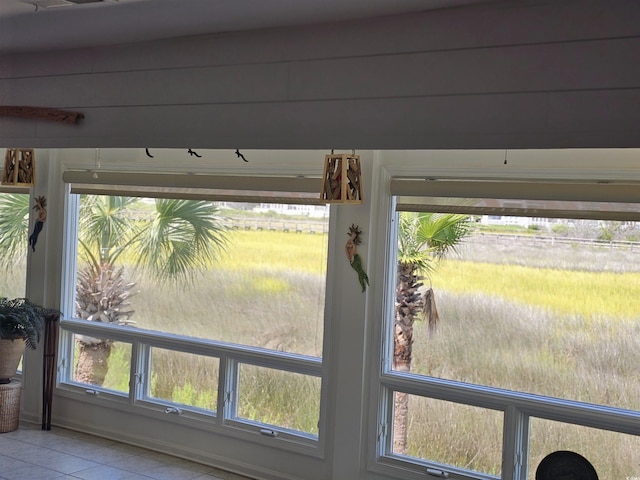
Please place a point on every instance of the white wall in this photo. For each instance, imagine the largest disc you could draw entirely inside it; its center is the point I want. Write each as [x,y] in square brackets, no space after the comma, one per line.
[525,75]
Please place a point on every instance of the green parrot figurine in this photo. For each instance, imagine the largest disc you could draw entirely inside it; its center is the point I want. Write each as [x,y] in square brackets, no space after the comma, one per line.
[354,258]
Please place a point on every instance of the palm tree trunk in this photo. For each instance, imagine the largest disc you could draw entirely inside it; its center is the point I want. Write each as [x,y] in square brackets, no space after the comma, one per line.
[93,362]
[409,303]
[400,416]
[101,296]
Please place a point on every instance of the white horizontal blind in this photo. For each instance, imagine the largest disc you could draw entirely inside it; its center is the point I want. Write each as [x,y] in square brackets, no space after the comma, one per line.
[196,186]
[606,201]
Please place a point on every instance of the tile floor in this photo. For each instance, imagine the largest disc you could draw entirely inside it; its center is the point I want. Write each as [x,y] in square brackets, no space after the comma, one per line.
[32,454]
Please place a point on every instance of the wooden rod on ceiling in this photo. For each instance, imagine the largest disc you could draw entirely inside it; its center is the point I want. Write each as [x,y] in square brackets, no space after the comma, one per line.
[41,113]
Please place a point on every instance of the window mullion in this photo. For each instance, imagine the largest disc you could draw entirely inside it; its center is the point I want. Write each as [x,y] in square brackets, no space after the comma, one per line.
[227,396]
[139,386]
[515,449]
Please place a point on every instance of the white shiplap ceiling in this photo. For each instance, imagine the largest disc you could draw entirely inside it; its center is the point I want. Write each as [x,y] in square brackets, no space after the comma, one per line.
[41,25]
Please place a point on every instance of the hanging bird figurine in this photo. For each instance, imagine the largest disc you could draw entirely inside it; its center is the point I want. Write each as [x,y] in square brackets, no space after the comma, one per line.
[354,259]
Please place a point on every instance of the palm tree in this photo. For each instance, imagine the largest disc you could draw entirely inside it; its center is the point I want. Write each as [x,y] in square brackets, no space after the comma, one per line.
[14,226]
[423,238]
[178,239]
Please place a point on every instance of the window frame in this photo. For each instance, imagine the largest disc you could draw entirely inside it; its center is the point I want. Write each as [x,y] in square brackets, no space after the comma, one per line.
[517,407]
[230,356]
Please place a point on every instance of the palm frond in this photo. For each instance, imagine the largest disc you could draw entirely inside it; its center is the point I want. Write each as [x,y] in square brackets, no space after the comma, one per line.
[14,228]
[105,227]
[441,232]
[425,237]
[185,237]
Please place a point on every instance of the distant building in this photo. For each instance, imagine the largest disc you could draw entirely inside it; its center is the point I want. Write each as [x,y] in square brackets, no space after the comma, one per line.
[314,211]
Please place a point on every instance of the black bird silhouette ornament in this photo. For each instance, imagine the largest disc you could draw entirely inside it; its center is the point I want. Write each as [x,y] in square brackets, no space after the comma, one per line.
[239,155]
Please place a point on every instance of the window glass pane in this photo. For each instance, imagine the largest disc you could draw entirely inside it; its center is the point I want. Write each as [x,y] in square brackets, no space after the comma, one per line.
[448,433]
[284,399]
[613,455]
[251,274]
[102,363]
[184,378]
[545,306]
[14,233]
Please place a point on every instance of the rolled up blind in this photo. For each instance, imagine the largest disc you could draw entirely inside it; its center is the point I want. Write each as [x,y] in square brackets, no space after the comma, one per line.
[584,200]
[300,190]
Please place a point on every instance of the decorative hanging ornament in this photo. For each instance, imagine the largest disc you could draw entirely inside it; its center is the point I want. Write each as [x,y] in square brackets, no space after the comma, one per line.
[342,179]
[354,259]
[41,209]
[19,167]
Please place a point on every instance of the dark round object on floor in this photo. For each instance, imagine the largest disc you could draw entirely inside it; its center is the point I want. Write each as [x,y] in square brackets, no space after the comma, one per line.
[565,465]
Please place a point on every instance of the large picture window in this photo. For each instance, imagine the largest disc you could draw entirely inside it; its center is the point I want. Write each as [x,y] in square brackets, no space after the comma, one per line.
[237,273]
[180,297]
[504,320]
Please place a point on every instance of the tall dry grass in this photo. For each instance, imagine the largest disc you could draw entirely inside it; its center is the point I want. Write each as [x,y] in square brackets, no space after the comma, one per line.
[286,399]
[266,290]
[491,341]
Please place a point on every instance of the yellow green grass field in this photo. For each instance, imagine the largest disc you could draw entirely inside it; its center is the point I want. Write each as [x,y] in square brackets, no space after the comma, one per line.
[591,295]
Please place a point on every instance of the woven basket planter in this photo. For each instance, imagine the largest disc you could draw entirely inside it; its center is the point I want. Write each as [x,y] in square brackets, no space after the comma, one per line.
[10,353]
[10,406]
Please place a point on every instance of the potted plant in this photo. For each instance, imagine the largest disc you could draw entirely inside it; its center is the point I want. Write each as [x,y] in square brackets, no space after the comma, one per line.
[21,324]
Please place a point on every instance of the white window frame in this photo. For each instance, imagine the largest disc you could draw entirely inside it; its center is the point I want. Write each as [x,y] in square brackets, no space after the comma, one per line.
[517,407]
[231,356]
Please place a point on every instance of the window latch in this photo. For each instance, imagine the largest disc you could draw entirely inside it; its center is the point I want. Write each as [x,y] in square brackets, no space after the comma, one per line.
[437,473]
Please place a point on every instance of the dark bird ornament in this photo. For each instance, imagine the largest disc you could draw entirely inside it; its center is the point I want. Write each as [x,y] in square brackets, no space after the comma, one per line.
[239,155]
[41,208]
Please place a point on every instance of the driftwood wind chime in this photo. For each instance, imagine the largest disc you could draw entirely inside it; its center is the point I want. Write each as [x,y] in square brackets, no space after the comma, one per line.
[19,167]
[342,179]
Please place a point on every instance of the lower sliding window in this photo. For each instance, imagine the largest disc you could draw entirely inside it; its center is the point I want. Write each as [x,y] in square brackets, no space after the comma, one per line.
[196,385]
[449,433]
[297,396]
